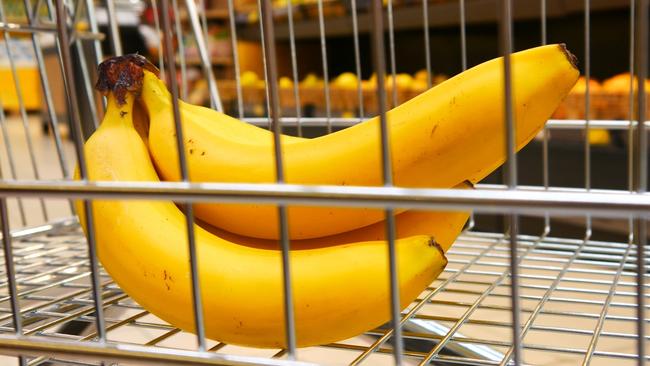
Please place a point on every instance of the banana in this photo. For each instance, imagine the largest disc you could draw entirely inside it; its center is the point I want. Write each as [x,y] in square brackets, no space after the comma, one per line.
[340,288]
[450,133]
[443,226]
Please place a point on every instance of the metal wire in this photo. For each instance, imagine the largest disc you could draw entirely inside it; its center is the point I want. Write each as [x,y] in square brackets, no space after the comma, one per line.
[77,134]
[576,280]
[283,225]
[21,104]
[468,257]
[113,28]
[326,77]
[294,71]
[197,304]
[641,162]
[505,34]
[387,170]
[235,58]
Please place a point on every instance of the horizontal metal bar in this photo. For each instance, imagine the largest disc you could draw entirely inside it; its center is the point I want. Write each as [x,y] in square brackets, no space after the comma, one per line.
[48,228]
[521,201]
[133,354]
[555,124]
[25,28]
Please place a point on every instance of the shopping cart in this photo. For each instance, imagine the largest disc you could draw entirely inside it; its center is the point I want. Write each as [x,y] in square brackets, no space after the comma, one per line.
[578,300]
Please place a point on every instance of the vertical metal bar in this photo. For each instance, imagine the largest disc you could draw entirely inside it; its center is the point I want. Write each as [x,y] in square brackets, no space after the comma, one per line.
[463,35]
[21,106]
[204,27]
[204,23]
[294,67]
[641,172]
[9,265]
[323,51]
[201,43]
[11,273]
[92,20]
[189,212]
[156,22]
[391,52]
[97,47]
[632,223]
[75,14]
[546,135]
[514,292]
[378,53]
[641,241]
[587,145]
[235,57]
[264,59]
[543,21]
[427,42]
[357,58]
[113,28]
[77,136]
[630,131]
[463,60]
[53,121]
[603,314]
[10,159]
[181,50]
[505,26]
[271,64]
[641,138]
[36,8]
[87,85]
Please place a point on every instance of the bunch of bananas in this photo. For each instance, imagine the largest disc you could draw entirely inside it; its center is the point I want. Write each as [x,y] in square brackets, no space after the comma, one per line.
[450,136]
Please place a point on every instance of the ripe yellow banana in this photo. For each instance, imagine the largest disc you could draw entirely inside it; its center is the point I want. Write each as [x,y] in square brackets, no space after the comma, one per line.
[340,290]
[451,133]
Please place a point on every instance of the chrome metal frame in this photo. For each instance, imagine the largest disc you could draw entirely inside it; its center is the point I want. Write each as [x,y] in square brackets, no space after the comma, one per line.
[52,277]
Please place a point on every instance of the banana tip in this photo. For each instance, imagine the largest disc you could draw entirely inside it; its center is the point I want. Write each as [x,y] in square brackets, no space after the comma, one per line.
[570,56]
[122,74]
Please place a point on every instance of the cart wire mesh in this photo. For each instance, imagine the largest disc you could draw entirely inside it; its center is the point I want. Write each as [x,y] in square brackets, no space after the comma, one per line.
[574,300]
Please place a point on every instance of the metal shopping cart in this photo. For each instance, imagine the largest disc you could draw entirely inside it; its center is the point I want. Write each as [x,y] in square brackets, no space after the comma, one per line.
[578,300]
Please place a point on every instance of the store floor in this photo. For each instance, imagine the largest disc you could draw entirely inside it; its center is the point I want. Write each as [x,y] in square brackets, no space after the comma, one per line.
[44,165]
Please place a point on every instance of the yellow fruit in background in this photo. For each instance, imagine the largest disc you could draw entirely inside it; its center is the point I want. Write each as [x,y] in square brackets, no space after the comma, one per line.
[249,78]
[372,82]
[594,86]
[311,80]
[437,79]
[346,80]
[403,81]
[621,84]
[599,136]
[285,83]
[421,75]
[419,85]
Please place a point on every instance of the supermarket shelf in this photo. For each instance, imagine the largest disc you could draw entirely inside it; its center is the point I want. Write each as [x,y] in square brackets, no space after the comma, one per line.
[210,14]
[216,61]
[441,14]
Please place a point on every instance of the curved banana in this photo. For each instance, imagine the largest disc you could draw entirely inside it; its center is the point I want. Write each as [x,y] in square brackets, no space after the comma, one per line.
[451,133]
[339,290]
[444,227]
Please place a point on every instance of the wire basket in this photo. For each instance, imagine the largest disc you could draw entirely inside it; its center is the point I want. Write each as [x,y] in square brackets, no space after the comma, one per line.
[577,299]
